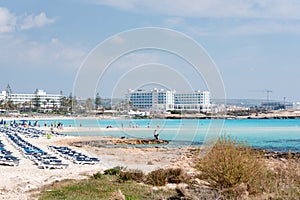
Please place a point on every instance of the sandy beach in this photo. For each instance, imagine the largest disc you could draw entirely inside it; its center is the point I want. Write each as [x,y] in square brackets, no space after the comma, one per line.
[18,182]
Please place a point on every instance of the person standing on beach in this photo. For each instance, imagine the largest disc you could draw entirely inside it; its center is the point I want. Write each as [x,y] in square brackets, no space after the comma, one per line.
[156,135]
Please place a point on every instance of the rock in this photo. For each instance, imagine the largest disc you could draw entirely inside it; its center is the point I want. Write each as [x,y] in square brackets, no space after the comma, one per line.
[118,195]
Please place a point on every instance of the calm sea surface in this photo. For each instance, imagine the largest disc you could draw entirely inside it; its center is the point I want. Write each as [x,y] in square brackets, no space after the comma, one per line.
[272,134]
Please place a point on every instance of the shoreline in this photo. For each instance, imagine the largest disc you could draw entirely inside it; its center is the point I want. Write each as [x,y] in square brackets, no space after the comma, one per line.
[14,181]
[279,114]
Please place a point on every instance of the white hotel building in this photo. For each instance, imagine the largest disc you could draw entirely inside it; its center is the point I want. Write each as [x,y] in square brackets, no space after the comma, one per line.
[161,100]
[46,100]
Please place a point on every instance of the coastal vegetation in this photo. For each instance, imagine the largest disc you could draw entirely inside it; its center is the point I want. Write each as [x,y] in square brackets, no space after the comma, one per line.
[231,170]
[113,184]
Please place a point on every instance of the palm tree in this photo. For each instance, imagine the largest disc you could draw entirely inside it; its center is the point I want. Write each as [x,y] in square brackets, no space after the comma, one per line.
[53,105]
[44,103]
[1,103]
[30,105]
[48,100]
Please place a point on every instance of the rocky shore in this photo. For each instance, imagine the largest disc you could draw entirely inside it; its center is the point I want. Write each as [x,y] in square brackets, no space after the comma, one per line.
[116,141]
[279,155]
[274,114]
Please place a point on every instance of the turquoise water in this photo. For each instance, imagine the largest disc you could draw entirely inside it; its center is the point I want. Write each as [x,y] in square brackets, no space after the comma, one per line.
[272,134]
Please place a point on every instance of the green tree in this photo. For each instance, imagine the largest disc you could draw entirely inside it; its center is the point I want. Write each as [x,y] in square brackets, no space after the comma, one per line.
[8,90]
[97,101]
[1,103]
[9,105]
[47,100]
[44,104]
[53,105]
[72,102]
[89,104]
[37,102]
[64,104]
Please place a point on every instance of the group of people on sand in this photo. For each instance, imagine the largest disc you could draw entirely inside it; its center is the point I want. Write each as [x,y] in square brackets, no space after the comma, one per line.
[14,123]
[59,125]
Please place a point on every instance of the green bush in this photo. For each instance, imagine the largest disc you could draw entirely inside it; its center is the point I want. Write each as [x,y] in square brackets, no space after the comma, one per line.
[98,175]
[135,175]
[160,177]
[113,171]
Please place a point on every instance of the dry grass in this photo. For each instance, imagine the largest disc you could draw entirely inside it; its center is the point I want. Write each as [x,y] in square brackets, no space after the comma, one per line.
[161,177]
[286,180]
[233,169]
[236,171]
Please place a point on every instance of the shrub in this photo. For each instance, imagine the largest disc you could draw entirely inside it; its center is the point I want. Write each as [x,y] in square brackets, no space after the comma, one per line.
[113,171]
[160,177]
[233,168]
[286,180]
[136,175]
[125,175]
[98,175]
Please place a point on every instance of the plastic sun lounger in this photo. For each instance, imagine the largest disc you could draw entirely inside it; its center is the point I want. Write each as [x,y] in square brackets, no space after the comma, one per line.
[76,157]
[49,165]
[9,160]
[5,152]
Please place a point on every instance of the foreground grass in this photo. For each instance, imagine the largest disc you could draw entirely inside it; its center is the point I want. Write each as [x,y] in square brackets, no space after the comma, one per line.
[102,187]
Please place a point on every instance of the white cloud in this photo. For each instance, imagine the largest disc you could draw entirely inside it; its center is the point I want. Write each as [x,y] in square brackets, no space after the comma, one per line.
[7,20]
[36,21]
[117,39]
[254,9]
[21,52]
[174,21]
[219,17]
[256,27]
[264,27]
[54,41]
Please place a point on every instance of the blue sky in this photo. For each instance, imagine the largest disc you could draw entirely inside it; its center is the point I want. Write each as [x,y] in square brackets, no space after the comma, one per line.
[254,43]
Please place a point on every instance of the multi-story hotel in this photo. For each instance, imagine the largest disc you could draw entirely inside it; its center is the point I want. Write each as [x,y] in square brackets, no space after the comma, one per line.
[162,100]
[45,100]
[198,101]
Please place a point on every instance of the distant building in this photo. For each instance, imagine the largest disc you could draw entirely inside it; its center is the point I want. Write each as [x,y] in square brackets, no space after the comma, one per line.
[296,106]
[153,100]
[272,105]
[195,101]
[45,100]
[161,100]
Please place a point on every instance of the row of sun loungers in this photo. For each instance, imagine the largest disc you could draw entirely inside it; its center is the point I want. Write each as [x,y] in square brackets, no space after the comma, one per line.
[76,157]
[40,157]
[6,157]
[37,155]
[28,132]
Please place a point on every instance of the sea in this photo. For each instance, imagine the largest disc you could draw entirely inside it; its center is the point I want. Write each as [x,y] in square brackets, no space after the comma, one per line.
[280,135]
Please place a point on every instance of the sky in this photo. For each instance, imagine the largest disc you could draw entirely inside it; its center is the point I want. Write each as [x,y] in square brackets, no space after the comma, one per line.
[255,44]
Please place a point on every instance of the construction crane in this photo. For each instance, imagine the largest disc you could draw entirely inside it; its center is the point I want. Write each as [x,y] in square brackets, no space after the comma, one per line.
[267,91]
